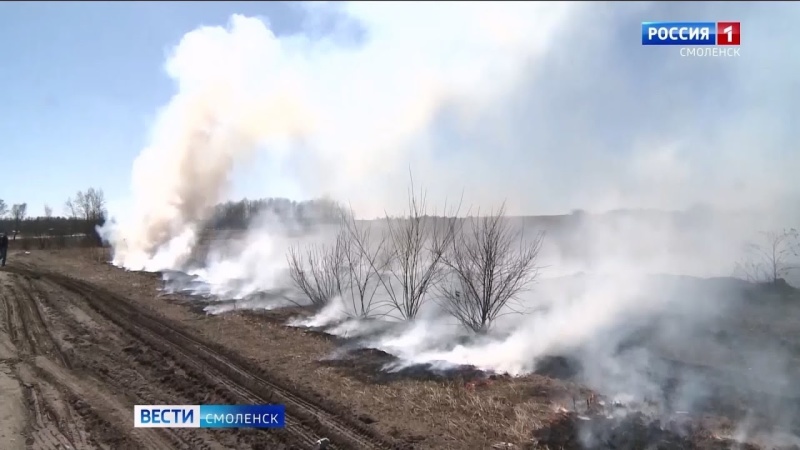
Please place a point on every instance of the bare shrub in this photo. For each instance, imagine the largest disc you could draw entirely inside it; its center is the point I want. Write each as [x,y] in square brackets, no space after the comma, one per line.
[18,213]
[489,264]
[364,265]
[318,272]
[415,247]
[771,259]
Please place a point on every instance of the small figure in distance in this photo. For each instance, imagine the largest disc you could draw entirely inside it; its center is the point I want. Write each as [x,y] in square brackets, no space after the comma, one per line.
[3,248]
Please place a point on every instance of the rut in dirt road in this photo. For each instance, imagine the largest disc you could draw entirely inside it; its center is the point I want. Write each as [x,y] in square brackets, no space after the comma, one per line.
[227,376]
[62,408]
[51,425]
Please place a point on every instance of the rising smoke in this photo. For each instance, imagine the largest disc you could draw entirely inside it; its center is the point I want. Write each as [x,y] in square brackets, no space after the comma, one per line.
[238,90]
[552,107]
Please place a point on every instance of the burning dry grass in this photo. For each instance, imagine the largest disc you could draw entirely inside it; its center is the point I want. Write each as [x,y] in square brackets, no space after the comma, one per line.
[484,413]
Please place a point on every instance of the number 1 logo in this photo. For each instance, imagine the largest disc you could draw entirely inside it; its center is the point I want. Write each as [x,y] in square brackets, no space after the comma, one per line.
[729,33]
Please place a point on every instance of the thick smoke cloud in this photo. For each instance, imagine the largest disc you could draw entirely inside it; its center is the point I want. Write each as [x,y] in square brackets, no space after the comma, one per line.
[602,122]
[353,111]
[551,107]
[237,90]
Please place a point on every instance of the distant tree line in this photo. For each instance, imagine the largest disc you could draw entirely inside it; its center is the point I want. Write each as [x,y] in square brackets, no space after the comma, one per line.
[84,211]
[238,215]
[82,214]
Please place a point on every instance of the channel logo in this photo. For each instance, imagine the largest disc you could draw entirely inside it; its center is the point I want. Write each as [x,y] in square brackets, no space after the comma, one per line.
[692,33]
[209,416]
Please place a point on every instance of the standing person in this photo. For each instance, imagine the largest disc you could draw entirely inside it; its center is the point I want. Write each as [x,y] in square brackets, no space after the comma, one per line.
[3,249]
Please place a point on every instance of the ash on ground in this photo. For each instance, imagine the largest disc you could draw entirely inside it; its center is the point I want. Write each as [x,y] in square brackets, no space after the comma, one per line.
[634,431]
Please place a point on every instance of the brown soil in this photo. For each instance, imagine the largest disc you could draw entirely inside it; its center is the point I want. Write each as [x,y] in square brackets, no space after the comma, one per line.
[81,342]
[82,356]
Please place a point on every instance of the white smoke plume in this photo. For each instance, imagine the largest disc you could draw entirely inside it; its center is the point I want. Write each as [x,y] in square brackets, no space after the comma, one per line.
[240,88]
[526,95]
[237,90]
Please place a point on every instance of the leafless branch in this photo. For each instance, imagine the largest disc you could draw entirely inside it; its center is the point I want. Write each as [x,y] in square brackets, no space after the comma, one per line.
[771,259]
[362,264]
[319,275]
[415,247]
[18,213]
[490,265]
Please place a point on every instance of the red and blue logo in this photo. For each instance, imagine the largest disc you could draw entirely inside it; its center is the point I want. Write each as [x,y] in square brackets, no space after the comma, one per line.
[691,33]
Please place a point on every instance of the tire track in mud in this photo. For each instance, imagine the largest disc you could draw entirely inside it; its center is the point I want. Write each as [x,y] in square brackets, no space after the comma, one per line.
[58,415]
[106,366]
[43,342]
[56,428]
[164,355]
[49,427]
[303,416]
[238,380]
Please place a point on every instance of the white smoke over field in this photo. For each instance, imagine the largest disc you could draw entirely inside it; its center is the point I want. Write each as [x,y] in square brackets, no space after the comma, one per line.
[469,89]
[348,114]
[237,90]
[548,106]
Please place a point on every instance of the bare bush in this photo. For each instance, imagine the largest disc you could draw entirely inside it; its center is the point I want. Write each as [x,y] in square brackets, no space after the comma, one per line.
[771,259]
[363,267]
[490,263]
[18,213]
[318,272]
[415,247]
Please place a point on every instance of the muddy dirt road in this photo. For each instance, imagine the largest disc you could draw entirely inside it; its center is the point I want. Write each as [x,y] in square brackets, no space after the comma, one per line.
[75,358]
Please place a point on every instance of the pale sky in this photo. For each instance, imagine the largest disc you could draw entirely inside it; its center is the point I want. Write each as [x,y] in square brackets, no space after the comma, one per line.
[586,118]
